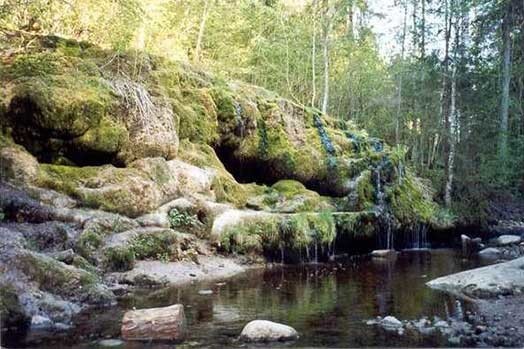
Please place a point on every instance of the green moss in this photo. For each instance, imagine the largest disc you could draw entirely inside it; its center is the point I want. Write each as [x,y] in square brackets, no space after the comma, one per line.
[289,232]
[198,116]
[108,137]
[410,202]
[159,245]
[155,245]
[11,311]
[89,242]
[54,276]
[289,188]
[120,258]
[356,225]
[65,178]
[365,191]
[65,105]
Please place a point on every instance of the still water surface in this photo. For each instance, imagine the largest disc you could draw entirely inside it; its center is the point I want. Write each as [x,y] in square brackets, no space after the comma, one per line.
[326,304]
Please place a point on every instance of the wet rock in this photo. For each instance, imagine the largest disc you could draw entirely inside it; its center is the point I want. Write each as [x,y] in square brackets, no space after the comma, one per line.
[267,331]
[167,323]
[384,254]
[39,322]
[469,245]
[490,253]
[486,282]
[390,322]
[504,240]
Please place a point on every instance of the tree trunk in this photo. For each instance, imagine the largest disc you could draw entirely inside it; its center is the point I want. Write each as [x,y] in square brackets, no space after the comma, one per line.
[506,80]
[313,56]
[452,138]
[423,31]
[325,99]
[445,99]
[403,48]
[201,30]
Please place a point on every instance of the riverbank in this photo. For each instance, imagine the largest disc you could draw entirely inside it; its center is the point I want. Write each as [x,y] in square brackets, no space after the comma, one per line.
[496,292]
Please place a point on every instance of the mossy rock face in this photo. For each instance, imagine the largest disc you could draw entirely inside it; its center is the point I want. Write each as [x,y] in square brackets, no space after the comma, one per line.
[62,279]
[127,191]
[65,102]
[11,311]
[272,233]
[289,196]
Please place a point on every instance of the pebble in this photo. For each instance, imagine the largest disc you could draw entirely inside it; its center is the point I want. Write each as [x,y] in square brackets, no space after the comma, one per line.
[111,342]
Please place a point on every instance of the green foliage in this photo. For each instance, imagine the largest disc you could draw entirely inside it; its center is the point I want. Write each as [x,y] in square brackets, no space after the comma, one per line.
[179,219]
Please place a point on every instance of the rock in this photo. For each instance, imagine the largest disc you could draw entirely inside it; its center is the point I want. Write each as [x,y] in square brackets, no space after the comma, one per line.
[167,323]
[490,253]
[441,324]
[267,331]
[390,322]
[486,282]
[205,292]
[504,240]
[17,165]
[469,245]
[384,254]
[110,343]
[41,322]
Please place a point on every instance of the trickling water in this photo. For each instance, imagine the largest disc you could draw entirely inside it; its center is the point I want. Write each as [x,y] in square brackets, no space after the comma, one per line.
[382,211]
[239,119]
[459,313]
[326,141]
[418,238]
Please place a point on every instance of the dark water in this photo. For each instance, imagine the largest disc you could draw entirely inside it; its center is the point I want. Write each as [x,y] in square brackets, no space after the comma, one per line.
[326,304]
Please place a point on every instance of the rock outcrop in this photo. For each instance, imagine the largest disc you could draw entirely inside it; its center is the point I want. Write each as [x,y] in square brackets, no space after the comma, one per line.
[499,279]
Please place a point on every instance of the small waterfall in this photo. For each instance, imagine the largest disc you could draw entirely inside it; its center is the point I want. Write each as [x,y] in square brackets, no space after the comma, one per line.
[239,119]
[418,238]
[326,141]
[459,313]
[384,215]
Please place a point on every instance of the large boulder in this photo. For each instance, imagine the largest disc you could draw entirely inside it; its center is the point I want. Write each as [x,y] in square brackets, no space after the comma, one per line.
[62,108]
[267,331]
[166,324]
[486,282]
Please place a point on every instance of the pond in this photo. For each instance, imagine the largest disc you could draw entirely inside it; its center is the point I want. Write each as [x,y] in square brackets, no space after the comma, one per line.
[327,304]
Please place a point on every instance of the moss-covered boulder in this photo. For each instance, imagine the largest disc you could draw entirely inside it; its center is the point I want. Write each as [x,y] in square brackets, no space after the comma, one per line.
[65,104]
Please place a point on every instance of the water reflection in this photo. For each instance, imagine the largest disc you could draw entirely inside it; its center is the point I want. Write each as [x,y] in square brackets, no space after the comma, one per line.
[327,304]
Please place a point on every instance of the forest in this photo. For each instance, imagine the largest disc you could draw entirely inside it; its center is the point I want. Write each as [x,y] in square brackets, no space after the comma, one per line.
[184,171]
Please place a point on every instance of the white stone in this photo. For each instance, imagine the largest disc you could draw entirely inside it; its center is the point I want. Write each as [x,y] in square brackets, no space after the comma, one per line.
[391,322]
[384,253]
[490,253]
[267,331]
[508,240]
